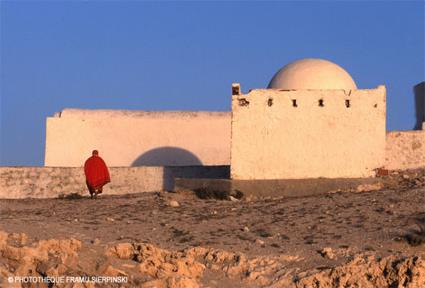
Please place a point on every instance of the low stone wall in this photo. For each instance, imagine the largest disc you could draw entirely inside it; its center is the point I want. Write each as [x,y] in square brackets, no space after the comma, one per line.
[405,150]
[51,182]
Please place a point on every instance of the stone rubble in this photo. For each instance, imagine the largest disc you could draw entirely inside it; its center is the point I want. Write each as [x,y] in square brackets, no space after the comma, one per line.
[327,252]
[173,203]
[149,266]
[403,180]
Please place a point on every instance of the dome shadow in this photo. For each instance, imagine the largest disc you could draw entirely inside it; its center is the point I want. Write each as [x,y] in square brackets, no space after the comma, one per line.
[167,156]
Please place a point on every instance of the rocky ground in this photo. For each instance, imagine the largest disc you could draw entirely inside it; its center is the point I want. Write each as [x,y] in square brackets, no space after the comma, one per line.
[344,239]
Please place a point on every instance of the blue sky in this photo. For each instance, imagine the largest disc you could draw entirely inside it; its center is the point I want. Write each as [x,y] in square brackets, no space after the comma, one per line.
[185,55]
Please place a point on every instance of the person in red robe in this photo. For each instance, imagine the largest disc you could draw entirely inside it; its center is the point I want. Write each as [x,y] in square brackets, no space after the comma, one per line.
[97,174]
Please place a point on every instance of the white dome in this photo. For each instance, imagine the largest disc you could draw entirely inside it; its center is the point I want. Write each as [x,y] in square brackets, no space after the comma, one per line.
[312,73]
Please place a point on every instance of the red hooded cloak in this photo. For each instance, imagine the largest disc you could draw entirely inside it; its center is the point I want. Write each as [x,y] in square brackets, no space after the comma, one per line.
[97,173]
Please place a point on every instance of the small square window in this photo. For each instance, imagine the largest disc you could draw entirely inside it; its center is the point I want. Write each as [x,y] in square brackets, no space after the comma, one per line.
[347,103]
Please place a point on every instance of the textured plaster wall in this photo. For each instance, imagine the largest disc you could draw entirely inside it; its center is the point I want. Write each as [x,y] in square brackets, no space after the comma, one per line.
[136,138]
[271,139]
[50,182]
[405,150]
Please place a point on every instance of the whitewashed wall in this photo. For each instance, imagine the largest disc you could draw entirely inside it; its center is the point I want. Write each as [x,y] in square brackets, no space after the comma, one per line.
[272,139]
[137,138]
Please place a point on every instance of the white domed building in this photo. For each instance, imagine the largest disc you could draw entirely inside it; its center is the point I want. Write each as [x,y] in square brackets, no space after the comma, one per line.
[312,121]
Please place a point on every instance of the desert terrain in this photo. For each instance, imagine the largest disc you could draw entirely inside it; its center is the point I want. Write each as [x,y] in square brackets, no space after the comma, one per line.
[343,239]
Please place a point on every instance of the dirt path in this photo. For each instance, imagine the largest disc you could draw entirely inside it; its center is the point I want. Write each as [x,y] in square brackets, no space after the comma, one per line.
[323,231]
[347,222]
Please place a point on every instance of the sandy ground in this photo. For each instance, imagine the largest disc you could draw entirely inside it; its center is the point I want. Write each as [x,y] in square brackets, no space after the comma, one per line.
[348,223]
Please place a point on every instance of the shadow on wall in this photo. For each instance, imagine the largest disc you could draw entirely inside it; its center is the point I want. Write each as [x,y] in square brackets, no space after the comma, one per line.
[419,91]
[180,163]
[167,156]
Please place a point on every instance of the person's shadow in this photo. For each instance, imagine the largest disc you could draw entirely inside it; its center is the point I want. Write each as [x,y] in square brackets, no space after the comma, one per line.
[419,91]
